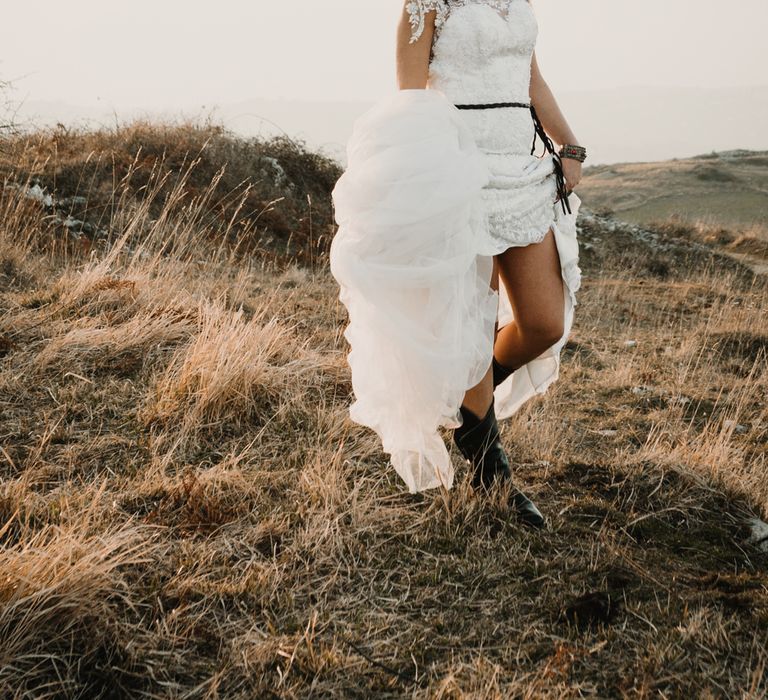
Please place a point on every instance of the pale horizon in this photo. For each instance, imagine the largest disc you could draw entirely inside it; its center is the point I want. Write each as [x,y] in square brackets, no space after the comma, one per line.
[90,60]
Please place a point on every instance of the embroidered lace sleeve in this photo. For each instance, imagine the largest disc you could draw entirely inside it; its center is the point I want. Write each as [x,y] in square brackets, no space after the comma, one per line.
[417,11]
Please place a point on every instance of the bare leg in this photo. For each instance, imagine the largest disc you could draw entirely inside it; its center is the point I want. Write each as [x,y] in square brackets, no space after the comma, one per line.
[533,279]
[479,440]
[478,398]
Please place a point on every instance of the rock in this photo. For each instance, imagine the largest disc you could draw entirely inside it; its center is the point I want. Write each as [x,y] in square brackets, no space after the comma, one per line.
[759,536]
[72,223]
[280,176]
[682,400]
[39,195]
[74,201]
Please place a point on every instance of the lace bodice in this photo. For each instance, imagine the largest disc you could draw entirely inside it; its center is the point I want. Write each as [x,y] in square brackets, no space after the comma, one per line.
[481,49]
[419,9]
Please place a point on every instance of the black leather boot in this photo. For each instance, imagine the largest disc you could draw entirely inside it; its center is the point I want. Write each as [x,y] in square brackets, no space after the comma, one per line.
[479,441]
[500,372]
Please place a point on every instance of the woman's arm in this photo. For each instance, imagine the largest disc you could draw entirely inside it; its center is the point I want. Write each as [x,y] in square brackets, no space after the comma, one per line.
[554,122]
[413,57]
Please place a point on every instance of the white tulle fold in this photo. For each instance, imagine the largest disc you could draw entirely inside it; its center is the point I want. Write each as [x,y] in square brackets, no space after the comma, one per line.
[421,310]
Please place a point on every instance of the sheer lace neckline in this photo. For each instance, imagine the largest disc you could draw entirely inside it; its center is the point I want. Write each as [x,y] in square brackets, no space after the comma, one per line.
[418,9]
[501,6]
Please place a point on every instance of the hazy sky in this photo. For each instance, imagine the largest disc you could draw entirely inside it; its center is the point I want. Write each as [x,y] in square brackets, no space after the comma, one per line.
[169,54]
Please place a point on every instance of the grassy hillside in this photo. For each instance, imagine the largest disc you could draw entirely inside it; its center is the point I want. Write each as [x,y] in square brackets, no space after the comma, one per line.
[187,511]
[268,199]
[729,188]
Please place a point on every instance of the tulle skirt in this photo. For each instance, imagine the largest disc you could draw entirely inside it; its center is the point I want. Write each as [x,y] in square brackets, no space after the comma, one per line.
[413,260]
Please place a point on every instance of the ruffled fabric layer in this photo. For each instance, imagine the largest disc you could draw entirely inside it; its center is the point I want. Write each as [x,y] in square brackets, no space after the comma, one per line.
[417,292]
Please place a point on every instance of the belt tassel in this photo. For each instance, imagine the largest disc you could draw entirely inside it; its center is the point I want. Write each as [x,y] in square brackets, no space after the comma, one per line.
[550,147]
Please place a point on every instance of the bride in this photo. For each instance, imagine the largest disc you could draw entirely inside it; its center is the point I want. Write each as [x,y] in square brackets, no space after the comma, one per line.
[456,254]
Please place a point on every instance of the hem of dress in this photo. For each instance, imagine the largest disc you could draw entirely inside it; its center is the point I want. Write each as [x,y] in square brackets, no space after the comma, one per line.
[537,237]
[525,228]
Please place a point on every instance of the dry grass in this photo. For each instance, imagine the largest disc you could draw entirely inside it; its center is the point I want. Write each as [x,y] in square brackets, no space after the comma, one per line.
[268,198]
[186,510]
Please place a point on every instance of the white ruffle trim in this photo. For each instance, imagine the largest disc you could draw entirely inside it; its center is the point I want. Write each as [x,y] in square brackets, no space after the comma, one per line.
[530,227]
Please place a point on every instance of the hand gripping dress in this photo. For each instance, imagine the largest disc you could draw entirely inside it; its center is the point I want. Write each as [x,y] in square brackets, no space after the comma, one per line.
[430,193]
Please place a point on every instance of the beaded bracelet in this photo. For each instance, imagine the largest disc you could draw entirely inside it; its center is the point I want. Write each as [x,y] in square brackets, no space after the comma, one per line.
[570,151]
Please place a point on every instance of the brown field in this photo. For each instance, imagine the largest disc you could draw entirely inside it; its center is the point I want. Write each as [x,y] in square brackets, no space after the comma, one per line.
[186,510]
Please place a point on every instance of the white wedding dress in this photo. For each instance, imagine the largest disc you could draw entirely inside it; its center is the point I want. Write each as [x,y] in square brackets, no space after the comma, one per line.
[429,195]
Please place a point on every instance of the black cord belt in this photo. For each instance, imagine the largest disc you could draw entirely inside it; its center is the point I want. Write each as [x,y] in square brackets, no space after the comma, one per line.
[548,145]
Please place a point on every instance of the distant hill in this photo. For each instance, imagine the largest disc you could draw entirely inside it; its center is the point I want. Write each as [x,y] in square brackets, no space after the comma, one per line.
[729,188]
